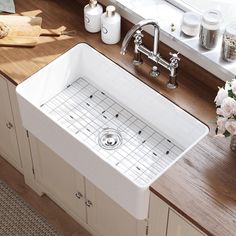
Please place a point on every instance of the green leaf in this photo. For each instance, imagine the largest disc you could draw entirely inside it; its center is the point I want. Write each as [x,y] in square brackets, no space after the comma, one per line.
[226,133]
[231,94]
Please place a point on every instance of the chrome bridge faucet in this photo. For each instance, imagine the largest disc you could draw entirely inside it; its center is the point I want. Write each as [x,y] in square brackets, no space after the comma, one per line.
[136,32]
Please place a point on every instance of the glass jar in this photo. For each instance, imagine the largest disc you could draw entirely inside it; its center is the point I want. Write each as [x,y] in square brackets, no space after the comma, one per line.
[191,24]
[229,42]
[210,29]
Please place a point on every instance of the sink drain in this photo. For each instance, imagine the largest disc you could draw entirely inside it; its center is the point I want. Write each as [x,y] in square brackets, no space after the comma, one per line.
[109,139]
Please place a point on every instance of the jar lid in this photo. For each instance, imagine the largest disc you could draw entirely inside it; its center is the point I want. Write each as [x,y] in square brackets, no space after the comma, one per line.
[212,17]
[191,19]
[231,29]
[93,3]
[110,10]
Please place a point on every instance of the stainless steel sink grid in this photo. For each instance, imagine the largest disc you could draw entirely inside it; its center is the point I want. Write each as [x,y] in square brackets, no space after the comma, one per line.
[85,111]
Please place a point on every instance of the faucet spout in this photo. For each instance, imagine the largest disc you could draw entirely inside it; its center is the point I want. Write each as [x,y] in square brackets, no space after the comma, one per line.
[136,27]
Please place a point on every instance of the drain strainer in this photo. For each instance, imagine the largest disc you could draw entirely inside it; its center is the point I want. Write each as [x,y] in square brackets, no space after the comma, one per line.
[109,139]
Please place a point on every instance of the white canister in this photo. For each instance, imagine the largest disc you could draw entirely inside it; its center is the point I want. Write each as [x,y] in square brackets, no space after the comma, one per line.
[191,23]
[110,26]
[92,16]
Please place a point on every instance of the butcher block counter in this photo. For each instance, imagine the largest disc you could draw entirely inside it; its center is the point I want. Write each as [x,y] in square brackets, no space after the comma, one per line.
[202,185]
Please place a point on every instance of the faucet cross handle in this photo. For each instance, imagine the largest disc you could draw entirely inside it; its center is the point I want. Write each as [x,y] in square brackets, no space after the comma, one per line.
[174,60]
[175,57]
[138,36]
[138,33]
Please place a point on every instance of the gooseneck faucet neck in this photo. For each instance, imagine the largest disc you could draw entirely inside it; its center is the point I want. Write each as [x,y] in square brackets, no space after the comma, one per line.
[138,26]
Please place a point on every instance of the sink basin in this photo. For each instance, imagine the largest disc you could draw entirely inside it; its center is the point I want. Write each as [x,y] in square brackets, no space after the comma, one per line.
[111,127]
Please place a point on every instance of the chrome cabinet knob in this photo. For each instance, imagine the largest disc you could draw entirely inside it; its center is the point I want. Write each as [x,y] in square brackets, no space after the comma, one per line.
[79,195]
[9,125]
[88,203]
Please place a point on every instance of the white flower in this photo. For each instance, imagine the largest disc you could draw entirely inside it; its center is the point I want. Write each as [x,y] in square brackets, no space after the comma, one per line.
[230,125]
[228,107]
[227,86]
[233,86]
[221,95]
[219,112]
[221,121]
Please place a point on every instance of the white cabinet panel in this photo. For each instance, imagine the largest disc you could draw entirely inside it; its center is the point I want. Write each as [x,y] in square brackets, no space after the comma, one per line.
[158,216]
[22,139]
[164,221]
[59,179]
[178,226]
[108,218]
[8,141]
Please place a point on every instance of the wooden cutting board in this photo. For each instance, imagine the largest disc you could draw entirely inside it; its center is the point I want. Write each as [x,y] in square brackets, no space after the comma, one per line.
[23,30]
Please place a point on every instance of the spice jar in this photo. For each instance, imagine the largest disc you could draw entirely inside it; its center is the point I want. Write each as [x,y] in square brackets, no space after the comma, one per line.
[229,42]
[210,29]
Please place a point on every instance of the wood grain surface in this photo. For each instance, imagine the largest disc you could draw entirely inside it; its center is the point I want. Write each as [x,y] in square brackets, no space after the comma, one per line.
[202,185]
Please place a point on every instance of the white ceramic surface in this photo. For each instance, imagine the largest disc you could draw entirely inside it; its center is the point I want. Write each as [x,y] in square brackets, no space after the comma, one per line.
[151,107]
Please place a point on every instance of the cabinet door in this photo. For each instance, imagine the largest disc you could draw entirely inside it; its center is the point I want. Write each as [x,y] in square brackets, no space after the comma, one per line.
[158,216]
[178,226]
[22,139]
[108,218]
[59,179]
[8,141]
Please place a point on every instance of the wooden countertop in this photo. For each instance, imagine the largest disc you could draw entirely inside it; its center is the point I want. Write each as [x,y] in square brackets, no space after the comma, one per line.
[202,185]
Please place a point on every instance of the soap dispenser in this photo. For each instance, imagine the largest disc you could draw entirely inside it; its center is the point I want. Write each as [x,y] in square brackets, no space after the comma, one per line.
[92,16]
[110,26]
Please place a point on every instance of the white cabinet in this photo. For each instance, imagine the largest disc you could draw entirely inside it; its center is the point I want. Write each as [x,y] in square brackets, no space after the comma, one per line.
[79,197]
[59,180]
[158,216]
[8,139]
[178,226]
[164,221]
[108,218]
[14,143]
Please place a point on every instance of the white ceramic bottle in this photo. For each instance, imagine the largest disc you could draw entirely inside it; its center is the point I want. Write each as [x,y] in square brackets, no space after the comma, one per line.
[92,16]
[110,26]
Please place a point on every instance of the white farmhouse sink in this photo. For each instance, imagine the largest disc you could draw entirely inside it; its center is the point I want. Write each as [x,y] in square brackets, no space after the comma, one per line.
[112,128]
